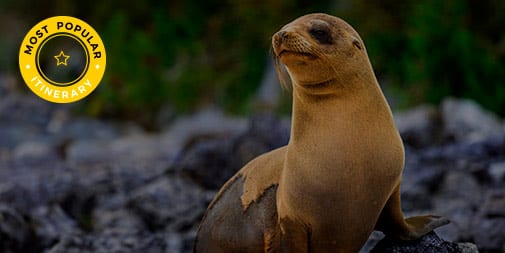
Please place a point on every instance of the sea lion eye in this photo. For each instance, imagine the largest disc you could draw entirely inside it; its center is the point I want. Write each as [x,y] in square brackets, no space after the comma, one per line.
[320,34]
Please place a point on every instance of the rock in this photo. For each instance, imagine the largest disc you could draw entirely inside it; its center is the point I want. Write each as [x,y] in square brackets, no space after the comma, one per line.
[461,185]
[466,121]
[134,149]
[26,188]
[35,153]
[126,178]
[82,128]
[50,224]
[429,243]
[493,204]
[208,163]
[12,134]
[488,233]
[415,198]
[211,162]
[26,110]
[489,224]
[86,185]
[16,234]
[207,124]
[114,241]
[138,148]
[121,219]
[170,202]
[459,212]
[419,127]
[497,172]
[89,152]
[266,132]
[373,239]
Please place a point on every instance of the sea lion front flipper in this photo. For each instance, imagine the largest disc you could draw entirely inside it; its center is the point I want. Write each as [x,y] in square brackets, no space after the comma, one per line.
[421,225]
[295,236]
[392,223]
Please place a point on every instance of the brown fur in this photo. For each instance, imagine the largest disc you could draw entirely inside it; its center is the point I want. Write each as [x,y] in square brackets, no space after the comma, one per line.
[339,177]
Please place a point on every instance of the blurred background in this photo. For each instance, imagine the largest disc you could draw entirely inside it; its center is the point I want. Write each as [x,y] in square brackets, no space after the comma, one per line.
[190,95]
[185,55]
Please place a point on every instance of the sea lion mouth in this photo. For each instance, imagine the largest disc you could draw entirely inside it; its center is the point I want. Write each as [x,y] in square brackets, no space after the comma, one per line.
[285,52]
[318,85]
[319,88]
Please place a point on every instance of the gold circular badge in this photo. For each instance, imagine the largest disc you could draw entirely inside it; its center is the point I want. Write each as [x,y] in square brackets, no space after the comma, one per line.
[62,59]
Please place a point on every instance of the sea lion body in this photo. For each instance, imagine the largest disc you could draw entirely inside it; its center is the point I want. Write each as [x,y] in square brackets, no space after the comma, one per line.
[339,177]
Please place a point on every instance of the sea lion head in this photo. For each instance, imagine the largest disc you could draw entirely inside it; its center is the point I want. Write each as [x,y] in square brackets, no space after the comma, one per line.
[321,52]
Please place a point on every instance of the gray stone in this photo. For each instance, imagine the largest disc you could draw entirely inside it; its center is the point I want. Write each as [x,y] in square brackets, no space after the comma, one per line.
[466,121]
[137,148]
[12,134]
[121,219]
[494,203]
[25,110]
[127,150]
[461,185]
[50,223]
[489,233]
[420,126]
[88,185]
[497,172]
[89,152]
[429,243]
[169,202]
[210,123]
[15,232]
[460,212]
[373,239]
[115,242]
[211,162]
[82,128]
[26,188]
[33,153]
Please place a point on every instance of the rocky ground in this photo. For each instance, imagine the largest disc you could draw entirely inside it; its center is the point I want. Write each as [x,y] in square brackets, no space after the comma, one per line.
[71,184]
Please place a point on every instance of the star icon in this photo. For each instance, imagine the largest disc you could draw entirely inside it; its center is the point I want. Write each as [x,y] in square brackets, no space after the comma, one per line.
[61,58]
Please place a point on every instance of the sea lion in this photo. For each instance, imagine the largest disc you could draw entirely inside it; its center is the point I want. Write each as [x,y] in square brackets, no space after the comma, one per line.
[339,176]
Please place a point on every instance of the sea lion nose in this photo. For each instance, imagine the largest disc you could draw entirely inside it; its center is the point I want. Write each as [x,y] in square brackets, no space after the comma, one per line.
[283,34]
[279,37]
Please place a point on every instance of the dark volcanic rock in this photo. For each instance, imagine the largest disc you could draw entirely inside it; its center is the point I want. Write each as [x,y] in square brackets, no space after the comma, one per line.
[466,121]
[169,202]
[15,232]
[429,243]
[50,224]
[36,153]
[88,185]
[207,162]
[489,224]
[211,162]
[116,242]
[419,127]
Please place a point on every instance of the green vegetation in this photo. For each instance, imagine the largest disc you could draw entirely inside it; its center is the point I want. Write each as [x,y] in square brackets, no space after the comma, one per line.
[186,54]
[189,54]
[432,49]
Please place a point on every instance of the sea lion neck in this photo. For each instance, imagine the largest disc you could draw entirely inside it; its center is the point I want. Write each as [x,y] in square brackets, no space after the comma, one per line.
[320,114]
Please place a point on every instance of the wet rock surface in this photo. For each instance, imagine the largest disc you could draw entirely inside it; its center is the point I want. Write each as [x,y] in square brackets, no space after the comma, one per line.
[70,184]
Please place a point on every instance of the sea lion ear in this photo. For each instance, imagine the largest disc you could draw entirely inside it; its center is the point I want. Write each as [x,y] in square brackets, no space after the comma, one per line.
[356,43]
